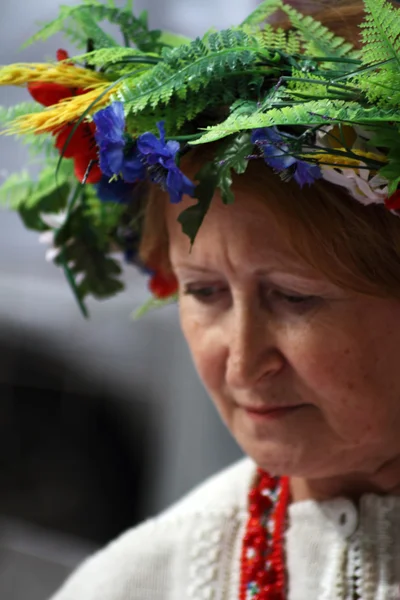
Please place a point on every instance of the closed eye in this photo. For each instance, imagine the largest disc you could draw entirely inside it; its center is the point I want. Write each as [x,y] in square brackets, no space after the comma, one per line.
[205,293]
[292,298]
[292,302]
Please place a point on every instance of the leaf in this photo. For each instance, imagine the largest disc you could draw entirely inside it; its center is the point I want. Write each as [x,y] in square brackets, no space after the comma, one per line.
[381,33]
[173,39]
[86,252]
[48,184]
[307,114]
[189,68]
[110,56]
[31,197]
[80,22]
[36,143]
[152,304]
[232,156]
[389,138]
[265,10]
[51,203]
[93,32]
[319,39]
[16,189]
[10,113]
[192,218]
[82,18]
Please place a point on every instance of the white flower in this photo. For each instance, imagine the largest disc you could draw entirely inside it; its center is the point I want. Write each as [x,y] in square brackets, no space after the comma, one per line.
[364,187]
[358,182]
[53,220]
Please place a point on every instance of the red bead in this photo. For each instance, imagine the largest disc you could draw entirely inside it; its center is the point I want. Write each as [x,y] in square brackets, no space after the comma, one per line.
[254,509]
[270,577]
[253,524]
[263,578]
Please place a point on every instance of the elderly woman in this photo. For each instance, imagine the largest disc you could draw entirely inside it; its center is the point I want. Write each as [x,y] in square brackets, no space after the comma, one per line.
[288,297]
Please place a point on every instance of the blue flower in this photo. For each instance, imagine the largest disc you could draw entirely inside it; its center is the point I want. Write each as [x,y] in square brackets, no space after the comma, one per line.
[114,191]
[306,173]
[277,155]
[159,153]
[115,158]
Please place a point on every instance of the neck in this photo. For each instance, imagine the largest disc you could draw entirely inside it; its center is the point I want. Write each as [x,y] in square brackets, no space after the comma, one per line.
[384,481]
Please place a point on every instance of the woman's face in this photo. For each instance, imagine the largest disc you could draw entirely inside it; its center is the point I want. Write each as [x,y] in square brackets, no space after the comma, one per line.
[305,375]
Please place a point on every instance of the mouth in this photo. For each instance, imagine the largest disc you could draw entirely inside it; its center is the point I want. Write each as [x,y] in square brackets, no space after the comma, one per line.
[271,413]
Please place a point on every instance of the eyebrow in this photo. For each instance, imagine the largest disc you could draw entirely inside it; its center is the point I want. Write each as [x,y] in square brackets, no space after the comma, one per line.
[258,272]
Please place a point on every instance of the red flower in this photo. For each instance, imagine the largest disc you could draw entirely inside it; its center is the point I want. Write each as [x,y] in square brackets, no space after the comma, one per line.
[162,286]
[82,146]
[62,54]
[48,94]
[81,164]
[393,202]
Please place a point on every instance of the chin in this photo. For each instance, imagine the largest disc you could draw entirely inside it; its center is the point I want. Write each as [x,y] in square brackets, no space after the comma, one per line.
[284,459]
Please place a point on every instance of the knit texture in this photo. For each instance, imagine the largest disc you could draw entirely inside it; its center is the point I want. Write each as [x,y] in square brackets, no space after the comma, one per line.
[192,550]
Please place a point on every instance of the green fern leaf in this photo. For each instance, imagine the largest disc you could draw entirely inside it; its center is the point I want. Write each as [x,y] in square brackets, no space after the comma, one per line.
[9,113]
[173,40]
[191,67]
[381,88]
[80,23]
[263,12]
[270,37]
[381,33]
[48,183]
[319,40]
[111,56]
[16,189]
[92,31]
[86,249]
[217,174]
[307,114]
[37,144]
[21,192]
[82,18]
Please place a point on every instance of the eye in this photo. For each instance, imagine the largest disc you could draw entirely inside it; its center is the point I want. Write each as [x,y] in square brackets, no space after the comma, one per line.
[206,293]
[295,300]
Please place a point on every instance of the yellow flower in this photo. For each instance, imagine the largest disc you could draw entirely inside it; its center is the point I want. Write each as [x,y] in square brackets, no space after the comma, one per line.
[64,112]
[61,73]
[344,161]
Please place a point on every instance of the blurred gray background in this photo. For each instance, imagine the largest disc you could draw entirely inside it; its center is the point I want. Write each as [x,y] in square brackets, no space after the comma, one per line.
[102,422]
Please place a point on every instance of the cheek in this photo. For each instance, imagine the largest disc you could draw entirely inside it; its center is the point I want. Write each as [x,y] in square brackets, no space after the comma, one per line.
[348,386]
[208,353]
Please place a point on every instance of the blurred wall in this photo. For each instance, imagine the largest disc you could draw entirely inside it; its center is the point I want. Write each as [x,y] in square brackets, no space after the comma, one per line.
[145,361]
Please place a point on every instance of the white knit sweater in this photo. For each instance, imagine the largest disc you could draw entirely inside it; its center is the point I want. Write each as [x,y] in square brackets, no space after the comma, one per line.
[192,551]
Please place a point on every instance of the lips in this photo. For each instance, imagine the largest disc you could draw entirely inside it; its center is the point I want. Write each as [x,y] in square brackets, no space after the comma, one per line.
[262,410]
[271,412]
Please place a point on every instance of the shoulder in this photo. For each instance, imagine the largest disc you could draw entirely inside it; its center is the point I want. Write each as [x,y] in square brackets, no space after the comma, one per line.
[224,492]
[150,559]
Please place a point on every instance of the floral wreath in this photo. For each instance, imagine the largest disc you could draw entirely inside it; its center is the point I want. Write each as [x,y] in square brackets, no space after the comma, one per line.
[121,114]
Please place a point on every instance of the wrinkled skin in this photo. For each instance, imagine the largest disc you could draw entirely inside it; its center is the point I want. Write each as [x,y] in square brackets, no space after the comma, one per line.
[267,331]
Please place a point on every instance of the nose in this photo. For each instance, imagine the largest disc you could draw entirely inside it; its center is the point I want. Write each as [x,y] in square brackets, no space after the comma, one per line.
[252,350]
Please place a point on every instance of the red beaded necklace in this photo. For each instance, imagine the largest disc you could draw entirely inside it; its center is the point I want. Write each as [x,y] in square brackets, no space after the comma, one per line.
[263,561]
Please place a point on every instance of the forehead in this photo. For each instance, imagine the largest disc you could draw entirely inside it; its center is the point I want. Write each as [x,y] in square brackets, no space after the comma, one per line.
[245,232]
